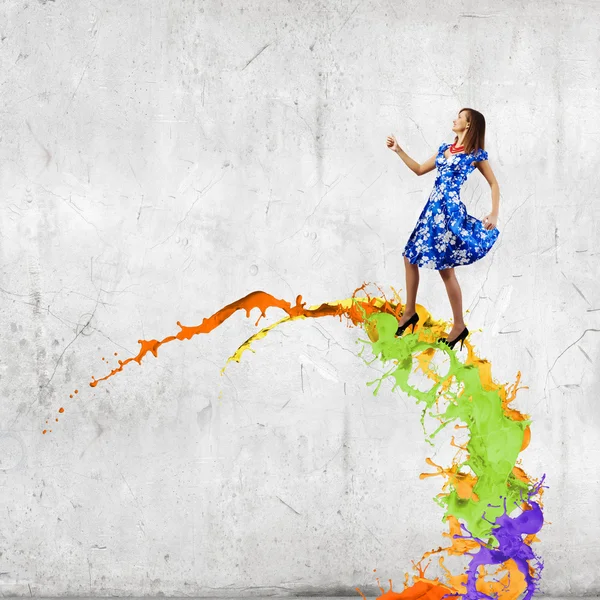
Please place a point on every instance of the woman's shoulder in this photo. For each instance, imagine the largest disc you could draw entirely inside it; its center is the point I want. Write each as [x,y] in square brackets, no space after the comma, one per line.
[479,154]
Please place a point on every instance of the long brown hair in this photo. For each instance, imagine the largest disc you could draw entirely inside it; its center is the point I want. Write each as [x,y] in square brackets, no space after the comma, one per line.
[475,136]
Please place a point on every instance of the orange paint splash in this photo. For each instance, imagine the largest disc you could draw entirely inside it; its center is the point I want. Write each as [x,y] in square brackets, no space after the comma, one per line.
[463,483]
[422,588]
[262,301]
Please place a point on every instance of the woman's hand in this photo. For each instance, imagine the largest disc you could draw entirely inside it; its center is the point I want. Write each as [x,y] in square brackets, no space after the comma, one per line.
[490,221]
[392,144]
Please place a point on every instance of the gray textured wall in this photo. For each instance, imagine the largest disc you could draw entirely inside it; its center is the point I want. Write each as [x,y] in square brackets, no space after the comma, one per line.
[160,160]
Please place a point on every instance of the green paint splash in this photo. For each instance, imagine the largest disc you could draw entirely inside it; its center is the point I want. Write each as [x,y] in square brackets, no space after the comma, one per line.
[495,439]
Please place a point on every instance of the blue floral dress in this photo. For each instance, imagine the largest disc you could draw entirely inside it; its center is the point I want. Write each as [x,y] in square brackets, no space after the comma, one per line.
[446,235]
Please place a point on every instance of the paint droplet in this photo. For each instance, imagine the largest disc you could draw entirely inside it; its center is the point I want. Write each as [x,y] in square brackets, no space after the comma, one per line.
[70,395]
[77,391]
[44,431]
[116,353]
[61,410]
[56,419]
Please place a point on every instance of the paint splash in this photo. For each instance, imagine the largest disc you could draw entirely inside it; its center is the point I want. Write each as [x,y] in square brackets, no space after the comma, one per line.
[484,479]
[260,300]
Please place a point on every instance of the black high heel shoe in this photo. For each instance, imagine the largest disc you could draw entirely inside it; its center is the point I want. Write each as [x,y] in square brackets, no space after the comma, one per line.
[412,321]
[459,338]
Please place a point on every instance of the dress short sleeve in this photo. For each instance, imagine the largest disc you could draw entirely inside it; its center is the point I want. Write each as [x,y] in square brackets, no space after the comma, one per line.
[481,155]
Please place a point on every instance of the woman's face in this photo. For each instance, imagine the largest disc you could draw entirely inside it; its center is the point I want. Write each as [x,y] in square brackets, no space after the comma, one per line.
[460,123]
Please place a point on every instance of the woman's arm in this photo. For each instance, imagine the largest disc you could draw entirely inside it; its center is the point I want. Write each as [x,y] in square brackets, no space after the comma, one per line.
[413,165]
[486,171]
[428,165]
[491,220]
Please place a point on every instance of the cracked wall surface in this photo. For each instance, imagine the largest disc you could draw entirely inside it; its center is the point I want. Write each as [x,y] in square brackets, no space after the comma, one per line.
[160,160]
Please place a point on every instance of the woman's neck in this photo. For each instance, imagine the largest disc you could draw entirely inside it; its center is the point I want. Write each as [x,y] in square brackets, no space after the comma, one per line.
[460,139]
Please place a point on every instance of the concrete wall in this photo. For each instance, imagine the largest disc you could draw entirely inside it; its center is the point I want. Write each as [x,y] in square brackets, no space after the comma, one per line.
[162,159]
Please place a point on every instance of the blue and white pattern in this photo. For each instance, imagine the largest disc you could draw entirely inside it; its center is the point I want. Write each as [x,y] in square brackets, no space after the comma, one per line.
[446,235]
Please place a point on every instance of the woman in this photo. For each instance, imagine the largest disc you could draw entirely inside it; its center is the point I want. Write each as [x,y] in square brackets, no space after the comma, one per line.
[445,235]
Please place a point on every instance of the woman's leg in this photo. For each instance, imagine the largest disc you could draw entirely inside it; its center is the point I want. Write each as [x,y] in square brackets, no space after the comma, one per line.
[412,284]
[455,297]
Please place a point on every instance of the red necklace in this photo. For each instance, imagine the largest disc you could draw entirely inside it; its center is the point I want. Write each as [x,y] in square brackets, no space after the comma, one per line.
[456,149]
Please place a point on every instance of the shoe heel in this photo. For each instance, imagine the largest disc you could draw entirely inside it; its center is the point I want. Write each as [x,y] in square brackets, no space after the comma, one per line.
[413,328]
[461,343]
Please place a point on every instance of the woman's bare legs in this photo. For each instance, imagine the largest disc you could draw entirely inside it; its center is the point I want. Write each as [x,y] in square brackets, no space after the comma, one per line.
[412,284]
[455,297]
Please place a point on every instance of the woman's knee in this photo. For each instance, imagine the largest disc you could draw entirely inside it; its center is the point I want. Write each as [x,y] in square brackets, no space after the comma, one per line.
[447,274]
